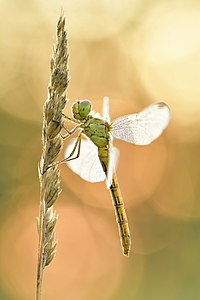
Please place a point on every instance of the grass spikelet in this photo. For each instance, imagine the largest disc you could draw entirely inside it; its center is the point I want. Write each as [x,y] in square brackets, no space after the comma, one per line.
[52,145]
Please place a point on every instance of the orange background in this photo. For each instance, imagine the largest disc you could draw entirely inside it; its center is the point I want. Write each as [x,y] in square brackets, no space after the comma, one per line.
[137,53]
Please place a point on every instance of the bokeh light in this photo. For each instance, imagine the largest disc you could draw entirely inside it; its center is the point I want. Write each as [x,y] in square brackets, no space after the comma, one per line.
[166,48]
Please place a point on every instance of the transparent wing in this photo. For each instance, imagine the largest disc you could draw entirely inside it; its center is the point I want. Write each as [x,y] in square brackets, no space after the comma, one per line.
[87,165]
[144,127]
[112,164]
[105,110]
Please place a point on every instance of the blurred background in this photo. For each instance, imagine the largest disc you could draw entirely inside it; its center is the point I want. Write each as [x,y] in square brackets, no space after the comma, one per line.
[137,52]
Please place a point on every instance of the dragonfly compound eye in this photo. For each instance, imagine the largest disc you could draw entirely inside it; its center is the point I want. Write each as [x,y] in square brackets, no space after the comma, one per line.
[81,109]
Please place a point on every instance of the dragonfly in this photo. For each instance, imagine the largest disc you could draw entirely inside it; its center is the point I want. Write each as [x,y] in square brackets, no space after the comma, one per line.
[96,157]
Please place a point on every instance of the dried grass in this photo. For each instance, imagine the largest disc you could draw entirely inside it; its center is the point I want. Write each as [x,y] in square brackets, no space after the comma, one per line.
[52,144]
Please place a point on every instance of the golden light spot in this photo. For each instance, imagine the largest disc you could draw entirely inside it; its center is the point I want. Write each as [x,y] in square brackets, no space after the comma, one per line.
[86,256]
[166,50]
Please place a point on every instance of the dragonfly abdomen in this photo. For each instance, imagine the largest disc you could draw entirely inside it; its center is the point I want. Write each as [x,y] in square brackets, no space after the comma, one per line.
[118,203]
[121,217]
[103,157]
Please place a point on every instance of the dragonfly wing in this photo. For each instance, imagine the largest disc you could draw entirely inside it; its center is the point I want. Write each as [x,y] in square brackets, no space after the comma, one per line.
[112,164]
[105,110]
[144,127]
[87,165]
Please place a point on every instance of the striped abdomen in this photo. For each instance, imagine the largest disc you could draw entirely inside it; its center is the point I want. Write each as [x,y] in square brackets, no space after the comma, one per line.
[118,204]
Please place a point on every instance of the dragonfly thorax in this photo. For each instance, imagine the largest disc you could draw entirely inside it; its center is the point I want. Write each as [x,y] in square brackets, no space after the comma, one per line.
[97,130]
[81,109]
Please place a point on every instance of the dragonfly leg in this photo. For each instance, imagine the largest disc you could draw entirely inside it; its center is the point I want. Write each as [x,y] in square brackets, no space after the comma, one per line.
[69,132]
[78,143]
[68,118]
[71,119]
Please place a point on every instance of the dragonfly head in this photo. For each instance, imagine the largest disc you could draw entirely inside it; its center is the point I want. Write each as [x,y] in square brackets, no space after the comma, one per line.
[81,109]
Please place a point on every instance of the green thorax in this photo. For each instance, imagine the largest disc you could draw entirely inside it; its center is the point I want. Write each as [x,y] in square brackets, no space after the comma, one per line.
[97,130]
